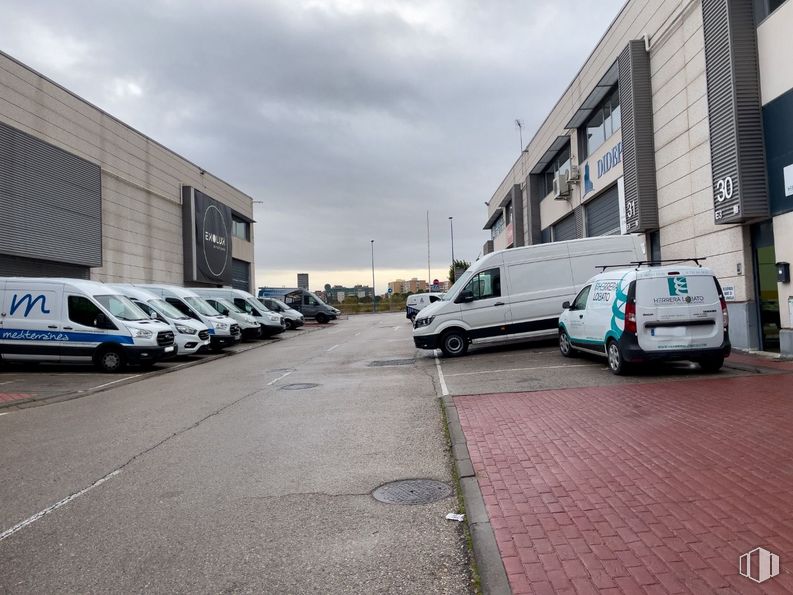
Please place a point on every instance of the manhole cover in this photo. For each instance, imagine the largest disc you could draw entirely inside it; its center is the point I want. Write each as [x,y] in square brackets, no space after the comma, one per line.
[392,362]
[412,491]
[299,386]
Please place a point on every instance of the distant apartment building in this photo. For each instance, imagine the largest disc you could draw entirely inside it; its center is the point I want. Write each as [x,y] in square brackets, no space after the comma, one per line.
[413,285]
[302,281]
[339,293]
[678,127]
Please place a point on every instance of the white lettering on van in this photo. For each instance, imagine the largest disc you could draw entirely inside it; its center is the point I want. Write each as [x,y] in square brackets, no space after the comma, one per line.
[20,335]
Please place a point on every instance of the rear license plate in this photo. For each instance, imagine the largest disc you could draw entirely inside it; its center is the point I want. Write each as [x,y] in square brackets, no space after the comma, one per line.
[668,331]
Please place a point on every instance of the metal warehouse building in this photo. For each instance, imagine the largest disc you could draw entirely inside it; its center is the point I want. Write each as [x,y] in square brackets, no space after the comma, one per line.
[85,195]
[679,126]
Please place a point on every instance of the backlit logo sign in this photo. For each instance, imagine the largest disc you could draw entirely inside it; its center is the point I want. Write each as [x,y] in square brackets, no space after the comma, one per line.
[215,240]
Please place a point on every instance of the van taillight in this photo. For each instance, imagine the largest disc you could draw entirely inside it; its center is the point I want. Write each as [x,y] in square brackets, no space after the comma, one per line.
[725,316]
[630,316]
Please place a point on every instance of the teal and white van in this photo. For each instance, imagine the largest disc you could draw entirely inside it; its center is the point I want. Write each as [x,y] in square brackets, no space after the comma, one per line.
[72,320]
[648,313]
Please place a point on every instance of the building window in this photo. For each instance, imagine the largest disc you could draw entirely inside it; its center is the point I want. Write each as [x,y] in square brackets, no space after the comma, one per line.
[240,229]
[498,227]
[603,122]
[559,164]
[763,8]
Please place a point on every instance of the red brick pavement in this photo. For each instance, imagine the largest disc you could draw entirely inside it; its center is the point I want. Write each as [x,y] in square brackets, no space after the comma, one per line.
[8,397]
[646,488]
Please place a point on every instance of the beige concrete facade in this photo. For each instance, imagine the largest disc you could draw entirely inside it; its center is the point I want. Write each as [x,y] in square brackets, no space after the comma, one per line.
[674,36]
[141,179]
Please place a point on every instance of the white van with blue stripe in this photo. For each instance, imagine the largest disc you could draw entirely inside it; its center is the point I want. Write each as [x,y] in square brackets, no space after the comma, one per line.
[72,320]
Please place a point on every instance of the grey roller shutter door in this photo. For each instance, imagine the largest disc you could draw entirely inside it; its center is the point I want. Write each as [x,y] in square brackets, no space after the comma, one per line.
[240,274]
[14,266]
[565,229]
[603,215]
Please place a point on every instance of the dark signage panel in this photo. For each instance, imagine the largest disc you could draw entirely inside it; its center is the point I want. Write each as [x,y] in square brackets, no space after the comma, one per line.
[778,124]
[207,226]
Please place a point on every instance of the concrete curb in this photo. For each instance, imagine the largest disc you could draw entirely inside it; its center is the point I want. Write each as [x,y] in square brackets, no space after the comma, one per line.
[143,375]
[492,575]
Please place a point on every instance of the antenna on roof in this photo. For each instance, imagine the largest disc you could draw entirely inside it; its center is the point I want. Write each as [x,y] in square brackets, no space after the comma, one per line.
[519,124]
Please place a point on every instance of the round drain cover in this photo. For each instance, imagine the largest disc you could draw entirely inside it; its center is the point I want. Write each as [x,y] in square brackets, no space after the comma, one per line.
[299,386]
[412,491]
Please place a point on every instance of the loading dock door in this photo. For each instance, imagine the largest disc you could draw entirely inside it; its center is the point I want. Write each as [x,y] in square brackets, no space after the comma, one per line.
[565,229]
[603,214]
[240,274]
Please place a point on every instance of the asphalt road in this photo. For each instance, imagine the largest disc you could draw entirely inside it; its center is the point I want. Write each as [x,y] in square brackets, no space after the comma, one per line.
[215,478]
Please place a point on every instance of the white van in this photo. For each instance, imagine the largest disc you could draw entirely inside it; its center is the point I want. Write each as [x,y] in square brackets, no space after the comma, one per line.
[223,331]
[641,314]
[418,301]
[292,318]
[248,325]
[271,323]
[72,320]
[516,293]
[189,335]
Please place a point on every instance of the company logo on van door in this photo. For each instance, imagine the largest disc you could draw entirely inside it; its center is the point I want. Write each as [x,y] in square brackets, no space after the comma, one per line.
[30,303]
[678,293]
[677,285]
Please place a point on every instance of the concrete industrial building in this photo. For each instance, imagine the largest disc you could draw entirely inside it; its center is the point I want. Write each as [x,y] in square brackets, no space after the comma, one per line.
[679,126]
[85,195]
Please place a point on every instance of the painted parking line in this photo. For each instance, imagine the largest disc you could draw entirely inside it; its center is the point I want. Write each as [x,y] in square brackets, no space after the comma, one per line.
[113,382]
[520,369]
[332,348]
[442,380]
[6,413]
[32,519]
[7,382]
[282,376]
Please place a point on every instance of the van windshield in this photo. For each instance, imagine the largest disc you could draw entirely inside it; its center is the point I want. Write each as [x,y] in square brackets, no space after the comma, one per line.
[461,282]
[280,304]
[229,305]
[167,310]
[200,306]
[121,307]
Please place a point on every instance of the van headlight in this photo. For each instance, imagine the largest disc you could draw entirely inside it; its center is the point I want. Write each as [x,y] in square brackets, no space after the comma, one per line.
[186,330]
[141,333]
[221,326]
[274,318]
[424,321]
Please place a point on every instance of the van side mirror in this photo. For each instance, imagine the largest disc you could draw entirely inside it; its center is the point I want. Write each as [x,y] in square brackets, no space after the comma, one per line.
[465,297]
[153,315]
[102,321]
[566,305]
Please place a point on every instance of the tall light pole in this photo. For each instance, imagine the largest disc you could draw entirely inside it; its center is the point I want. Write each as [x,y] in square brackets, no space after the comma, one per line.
[374,305]
[451,227]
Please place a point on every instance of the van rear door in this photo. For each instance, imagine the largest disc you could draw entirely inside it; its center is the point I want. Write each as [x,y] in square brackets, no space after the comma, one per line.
[678,309]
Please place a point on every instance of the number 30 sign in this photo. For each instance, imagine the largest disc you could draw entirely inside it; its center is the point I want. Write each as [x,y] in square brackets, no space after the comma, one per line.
[724,189]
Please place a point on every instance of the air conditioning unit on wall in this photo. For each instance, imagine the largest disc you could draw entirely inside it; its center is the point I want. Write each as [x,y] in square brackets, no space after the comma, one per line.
[561,186]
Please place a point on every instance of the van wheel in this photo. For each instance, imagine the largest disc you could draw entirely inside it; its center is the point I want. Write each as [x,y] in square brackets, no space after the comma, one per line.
[110,360]
[712,365]
[454,343]
[289,324]
[564,344]
[617,364]
[322,318]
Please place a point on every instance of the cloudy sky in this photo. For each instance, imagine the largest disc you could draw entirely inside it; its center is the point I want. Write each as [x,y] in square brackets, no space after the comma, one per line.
[348,119]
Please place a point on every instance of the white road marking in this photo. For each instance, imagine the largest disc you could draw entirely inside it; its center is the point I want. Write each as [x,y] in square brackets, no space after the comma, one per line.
[444,388]
[7,382]
[396,328]
[30,520]
[519,369]
[6,413]
[114,382]
[356,334]
[332,348]
[284,375]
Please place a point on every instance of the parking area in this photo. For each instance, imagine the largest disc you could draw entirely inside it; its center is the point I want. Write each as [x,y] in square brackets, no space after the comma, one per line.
[28,385]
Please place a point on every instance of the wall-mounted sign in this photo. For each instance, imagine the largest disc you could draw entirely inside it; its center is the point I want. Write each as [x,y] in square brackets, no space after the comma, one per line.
[788,176]
[610,159]
[207,238]
[729,292]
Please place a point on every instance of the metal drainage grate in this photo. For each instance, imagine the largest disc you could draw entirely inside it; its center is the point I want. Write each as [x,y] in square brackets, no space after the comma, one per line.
[299,386]
[392,362]
[412,491]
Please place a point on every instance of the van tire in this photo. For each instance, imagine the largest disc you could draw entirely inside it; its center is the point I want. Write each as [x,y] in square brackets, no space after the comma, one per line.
[712,365]
[454,343]
[109,360]
[565,347]
[289,324]
[616,362]
[321,318]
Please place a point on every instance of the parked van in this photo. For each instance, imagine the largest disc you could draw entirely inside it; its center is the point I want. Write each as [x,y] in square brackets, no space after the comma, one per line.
[189,335]
[271,323]
[416,302]
[292,318]
[641,314]
[248,325]
[72,320]
[303,301]
[516,293]
[223,331]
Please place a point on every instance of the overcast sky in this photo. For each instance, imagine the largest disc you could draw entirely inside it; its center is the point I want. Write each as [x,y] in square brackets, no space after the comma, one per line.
[348,119]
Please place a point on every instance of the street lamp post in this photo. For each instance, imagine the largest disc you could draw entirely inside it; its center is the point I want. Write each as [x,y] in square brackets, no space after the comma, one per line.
[374,305]
[451,227]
